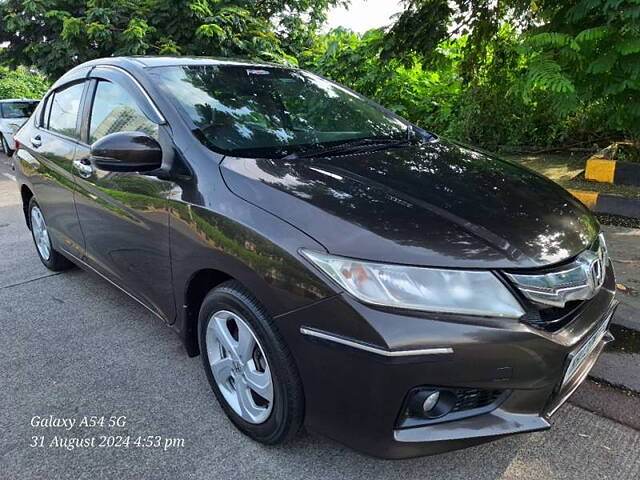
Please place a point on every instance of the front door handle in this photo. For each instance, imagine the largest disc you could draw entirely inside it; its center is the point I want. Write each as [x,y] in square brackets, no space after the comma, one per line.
[36,141]
[83,167]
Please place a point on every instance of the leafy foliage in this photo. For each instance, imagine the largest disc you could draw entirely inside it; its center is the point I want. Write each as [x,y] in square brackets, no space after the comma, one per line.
[21,83]
[409,90]
[581,54]
[534,72]
[54,35]
[486,110]
[589,53]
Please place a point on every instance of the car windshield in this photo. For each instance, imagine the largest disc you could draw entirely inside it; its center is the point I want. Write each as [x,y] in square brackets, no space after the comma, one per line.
[272,112]
[17,109]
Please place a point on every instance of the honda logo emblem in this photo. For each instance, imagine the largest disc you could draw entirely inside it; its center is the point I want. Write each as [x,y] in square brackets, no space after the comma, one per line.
[592,266]
[580,280]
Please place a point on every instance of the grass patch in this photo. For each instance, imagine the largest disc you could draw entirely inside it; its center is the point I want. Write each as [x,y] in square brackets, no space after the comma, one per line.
[579,183]
[624,152]
[618,220]
[568,171]
[554,166]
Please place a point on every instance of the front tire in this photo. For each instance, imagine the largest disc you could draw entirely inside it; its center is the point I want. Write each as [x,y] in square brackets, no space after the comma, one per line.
[248,365]
[49,257]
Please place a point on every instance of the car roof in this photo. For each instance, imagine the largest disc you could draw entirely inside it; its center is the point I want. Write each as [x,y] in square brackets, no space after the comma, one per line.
[136,65]
[165,61]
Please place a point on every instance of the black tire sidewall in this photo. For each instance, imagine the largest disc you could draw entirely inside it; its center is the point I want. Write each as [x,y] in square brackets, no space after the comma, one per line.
[278,426]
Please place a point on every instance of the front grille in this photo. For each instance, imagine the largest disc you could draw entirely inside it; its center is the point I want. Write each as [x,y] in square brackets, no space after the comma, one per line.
[555,314]
[556,295]
[553,319]
[472,398]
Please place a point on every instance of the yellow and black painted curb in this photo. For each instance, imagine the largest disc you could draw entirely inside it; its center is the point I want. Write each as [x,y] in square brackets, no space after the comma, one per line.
[601,169]
[608,204]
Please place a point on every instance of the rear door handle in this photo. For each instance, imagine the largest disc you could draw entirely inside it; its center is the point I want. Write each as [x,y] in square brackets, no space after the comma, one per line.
[36,141]
[83,167]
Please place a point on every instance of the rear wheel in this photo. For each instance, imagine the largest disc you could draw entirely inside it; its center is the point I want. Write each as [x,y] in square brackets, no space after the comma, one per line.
[248,365]
[50,257]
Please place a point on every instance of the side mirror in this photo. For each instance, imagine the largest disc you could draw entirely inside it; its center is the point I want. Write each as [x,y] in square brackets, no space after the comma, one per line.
[127,152]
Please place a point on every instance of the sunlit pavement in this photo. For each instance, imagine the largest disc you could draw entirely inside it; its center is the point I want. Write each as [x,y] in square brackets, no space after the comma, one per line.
[72,345]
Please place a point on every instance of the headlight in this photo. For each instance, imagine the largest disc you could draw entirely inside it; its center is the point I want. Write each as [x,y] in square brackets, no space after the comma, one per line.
[417,288]
[14,127]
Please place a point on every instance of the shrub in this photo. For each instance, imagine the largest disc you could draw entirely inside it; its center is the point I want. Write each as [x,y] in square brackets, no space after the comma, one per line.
[22,83]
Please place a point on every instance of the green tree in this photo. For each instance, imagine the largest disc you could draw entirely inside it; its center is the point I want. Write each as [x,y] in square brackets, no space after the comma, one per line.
[421,95]
[21,83]
[588,54]
[584,53]
[485,110]
[54,35]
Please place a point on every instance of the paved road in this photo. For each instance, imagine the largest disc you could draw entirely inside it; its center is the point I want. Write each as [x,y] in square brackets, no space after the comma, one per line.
[72,345]
[624,245]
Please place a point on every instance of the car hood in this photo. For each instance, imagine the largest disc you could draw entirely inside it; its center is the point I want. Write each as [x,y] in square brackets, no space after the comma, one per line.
[16,121]
[432,204]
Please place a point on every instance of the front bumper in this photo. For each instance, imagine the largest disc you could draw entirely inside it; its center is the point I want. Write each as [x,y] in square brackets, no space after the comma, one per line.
[355,395]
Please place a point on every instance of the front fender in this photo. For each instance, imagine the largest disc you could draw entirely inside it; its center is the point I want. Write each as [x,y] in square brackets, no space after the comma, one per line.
[256,248]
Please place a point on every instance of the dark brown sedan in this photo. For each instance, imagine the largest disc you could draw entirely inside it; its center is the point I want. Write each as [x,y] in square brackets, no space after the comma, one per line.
[333,264]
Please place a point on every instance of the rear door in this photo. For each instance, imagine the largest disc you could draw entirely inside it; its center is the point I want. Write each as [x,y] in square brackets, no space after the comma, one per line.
[124,215]
[47,159]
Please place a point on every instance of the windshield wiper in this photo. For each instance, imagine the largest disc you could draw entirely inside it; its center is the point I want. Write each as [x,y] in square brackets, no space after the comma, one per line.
[365,144]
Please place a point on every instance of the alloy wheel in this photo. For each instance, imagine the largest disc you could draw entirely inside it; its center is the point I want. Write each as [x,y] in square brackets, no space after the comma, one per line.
[40,234]
[239,366]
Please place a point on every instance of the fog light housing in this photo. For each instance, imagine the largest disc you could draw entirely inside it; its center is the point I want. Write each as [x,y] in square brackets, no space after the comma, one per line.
[430,402]
[426,405]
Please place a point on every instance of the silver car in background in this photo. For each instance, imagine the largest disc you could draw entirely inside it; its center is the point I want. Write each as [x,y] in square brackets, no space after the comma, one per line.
[14,112]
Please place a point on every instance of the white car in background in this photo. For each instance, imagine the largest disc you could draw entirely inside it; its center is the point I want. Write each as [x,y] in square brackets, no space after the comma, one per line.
[14,112]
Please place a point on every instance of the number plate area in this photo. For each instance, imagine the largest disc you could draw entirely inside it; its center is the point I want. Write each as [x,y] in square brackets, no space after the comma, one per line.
[585,351]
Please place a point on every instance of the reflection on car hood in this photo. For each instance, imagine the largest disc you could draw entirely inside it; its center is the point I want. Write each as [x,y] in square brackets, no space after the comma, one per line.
[432,204]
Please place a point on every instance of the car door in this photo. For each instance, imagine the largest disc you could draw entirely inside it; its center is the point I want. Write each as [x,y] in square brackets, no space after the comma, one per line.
[47,158]
[124,215]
